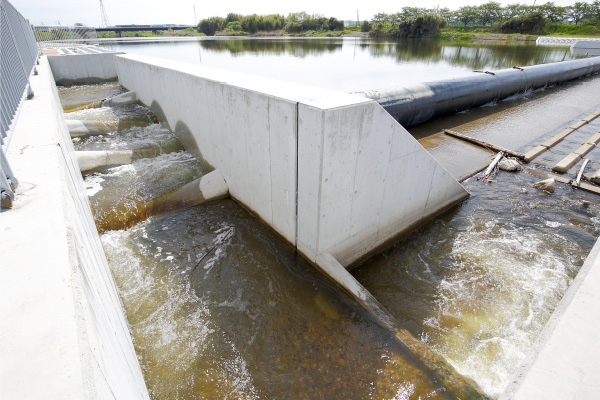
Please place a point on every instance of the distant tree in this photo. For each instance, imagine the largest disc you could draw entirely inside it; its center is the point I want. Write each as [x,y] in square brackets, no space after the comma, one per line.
[577,12]
[232,17]
[78,24]
[412,12]
[446,14]
[489,13]
[380,17]
[234,26]
[595,10]
[421,26]
[365,26]
[211,25]
[298,16]
[552,12]
[527,24]
[466,15]
[513,11]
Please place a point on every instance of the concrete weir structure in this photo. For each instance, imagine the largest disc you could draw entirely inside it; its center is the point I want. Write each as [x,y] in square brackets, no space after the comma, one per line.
[332,173]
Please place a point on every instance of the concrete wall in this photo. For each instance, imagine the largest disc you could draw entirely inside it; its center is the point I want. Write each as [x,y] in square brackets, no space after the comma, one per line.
[364,180]
[83,68]
[63,333]
[564,361]
[331,172]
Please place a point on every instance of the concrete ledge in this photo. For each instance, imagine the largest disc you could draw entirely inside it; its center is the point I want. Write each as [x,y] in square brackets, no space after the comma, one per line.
[564,362]
[89,160]
[63,334]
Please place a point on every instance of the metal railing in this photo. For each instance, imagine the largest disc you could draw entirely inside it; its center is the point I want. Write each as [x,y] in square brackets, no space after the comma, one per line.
[56,36]
[18,56]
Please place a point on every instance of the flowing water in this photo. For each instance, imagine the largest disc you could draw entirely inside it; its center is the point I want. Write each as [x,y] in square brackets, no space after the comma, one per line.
[220,307]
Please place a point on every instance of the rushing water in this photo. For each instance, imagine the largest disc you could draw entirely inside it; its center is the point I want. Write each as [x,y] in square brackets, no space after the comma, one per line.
[346,64]
[220,307]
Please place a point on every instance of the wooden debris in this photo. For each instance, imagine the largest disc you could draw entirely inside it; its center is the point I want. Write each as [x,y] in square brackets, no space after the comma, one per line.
[580,174]
[563,179]
[491,167]
[481,143]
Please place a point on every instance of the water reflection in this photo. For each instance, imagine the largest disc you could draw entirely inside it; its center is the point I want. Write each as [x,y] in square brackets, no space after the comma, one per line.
[348,64]
[297,48]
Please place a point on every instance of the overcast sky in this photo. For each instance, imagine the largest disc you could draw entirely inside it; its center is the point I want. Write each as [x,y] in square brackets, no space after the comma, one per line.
[69,12]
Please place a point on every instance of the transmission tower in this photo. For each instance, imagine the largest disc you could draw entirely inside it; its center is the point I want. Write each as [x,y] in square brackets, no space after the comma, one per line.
[105,21]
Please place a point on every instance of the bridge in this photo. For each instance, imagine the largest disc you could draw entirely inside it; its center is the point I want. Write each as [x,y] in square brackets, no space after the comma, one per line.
[118,29]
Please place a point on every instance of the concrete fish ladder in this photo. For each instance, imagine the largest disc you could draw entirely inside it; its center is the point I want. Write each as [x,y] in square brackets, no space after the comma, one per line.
[414,104]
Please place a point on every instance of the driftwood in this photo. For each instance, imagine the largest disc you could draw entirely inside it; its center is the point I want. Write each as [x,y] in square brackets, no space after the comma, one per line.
[481,143]
[492,166]
[580,174]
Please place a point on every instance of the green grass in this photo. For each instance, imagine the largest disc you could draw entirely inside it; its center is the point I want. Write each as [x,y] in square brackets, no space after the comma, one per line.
[185,32]
[572,30]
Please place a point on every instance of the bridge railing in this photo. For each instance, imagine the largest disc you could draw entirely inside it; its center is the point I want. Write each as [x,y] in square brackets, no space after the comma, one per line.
[18,56]
[57,36]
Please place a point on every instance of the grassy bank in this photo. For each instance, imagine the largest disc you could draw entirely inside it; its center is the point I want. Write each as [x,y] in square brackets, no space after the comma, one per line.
[169,33]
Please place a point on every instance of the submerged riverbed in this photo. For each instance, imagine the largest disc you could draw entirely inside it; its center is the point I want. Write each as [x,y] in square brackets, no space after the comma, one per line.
[220,307]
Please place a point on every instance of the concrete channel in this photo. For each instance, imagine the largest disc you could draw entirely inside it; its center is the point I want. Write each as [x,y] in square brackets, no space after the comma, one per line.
[290,167]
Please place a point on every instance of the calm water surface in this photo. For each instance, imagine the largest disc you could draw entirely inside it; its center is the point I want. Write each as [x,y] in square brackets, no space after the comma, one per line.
[346,64]
[221,308]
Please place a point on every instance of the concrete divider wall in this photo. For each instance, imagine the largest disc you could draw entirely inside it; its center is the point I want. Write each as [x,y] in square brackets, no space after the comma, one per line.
[83,68]
[62,326]
[364,180]
[331,172]
[247,133]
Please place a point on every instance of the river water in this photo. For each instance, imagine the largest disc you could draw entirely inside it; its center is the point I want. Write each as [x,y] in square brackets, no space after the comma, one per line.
[346,64]
[220,307]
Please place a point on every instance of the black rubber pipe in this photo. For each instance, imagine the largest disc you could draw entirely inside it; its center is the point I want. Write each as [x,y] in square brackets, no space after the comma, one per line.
[414,104]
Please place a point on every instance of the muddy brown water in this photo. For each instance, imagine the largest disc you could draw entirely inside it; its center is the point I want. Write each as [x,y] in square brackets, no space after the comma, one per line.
[220,307]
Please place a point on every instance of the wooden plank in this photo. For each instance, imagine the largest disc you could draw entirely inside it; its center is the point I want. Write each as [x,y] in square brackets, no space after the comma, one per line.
[481,143]
[584,149]
[566,163]
[579,124]
[592,117]
[533,153]
[554,140]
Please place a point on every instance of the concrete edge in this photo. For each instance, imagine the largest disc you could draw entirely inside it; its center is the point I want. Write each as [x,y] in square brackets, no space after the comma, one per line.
[526,366]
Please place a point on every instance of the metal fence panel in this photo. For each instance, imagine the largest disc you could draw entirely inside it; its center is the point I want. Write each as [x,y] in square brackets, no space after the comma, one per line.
[18,56]
[56,36]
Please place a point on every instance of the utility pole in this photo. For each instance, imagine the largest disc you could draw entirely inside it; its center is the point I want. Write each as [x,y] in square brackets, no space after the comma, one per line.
[195,19]
[357,19]
[105,21]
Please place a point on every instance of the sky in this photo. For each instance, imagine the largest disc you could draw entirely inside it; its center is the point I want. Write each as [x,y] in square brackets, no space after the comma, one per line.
[121,12]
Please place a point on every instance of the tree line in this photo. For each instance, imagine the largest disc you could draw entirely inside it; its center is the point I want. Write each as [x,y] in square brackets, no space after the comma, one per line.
[417,21]
[492,13]
[293,23]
